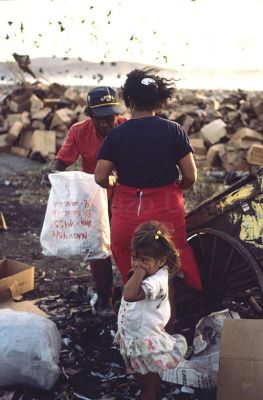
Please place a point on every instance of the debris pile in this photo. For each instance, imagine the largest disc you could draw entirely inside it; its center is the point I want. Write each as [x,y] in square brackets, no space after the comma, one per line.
[34,119]
[225,127]
[90,366]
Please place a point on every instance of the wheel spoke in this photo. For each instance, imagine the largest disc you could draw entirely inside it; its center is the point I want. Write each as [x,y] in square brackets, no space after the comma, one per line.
[228,261]
[201,245]
[211,266]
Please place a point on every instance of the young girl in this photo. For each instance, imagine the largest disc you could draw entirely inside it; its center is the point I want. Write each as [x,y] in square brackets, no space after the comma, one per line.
[145,309]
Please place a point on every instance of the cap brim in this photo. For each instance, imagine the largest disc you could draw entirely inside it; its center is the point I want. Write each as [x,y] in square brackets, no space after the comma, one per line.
[106,111]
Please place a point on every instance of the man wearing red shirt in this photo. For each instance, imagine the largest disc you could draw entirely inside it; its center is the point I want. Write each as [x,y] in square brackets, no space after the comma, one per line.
[84,139]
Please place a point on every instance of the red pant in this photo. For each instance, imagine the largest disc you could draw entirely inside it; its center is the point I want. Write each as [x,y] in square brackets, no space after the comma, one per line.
[164,204]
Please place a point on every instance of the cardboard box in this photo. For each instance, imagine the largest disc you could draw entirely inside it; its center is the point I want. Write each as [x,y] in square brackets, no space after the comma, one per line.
[26,305]
[241,360]
[12,271]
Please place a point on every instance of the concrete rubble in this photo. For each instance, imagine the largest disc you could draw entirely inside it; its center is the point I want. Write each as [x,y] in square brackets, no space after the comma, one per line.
[225,127]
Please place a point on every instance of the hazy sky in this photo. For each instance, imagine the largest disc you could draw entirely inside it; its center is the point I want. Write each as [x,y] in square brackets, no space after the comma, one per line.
[205,34]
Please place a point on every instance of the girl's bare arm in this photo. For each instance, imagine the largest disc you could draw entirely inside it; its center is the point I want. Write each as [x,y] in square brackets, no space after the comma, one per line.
[132,290]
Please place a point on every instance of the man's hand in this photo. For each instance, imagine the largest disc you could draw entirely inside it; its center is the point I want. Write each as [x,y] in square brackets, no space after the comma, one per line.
[54,166]
[45,180]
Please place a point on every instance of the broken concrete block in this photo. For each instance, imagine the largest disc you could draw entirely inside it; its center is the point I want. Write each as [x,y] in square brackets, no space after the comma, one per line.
[79,110]
[44,142]
[17,107]
[212,106]
[4,128]
[231,116]
[214,131]
[25,139]
[188,122]
[57,89]
[255,124]
[4,146]
[200,161]
[245,137]
[227,107]
[37,124]
[255,154]
[82,100]
[14,132]
[19,151]
[60,134]
[36,103]
[188,108]
[41,114]
[21,117]
[234,159]
[174,115]
[25,118]
[257,105]
[198,146]
[71,94]
[62,128]
[62,116]
[19,100]
[214,154]
[51,102]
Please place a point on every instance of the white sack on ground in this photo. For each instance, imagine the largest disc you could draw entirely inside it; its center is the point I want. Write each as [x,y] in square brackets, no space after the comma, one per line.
[29,350]
[76,221]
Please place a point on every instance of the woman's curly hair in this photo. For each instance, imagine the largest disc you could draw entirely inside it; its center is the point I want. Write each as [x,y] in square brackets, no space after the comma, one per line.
[154,239]
[146,90]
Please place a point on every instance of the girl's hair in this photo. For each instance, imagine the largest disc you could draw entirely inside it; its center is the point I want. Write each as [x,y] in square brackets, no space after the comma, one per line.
[153,239]
[146,90]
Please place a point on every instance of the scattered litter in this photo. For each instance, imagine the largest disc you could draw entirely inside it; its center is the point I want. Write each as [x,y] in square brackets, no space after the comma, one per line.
[81,397]
[3,224]
[186,389]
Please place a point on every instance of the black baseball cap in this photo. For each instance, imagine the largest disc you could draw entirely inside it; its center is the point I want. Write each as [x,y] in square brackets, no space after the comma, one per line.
[103,101]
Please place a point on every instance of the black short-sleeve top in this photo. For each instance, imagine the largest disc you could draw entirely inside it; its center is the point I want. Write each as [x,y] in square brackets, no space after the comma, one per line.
[146,151]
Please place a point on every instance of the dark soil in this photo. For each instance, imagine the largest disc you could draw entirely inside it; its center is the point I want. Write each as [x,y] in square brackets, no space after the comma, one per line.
[90,367]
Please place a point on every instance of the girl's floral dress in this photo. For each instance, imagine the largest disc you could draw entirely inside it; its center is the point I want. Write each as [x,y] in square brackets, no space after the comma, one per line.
[141,338]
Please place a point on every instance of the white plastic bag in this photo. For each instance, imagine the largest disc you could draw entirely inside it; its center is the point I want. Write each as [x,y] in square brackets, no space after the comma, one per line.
[29,349]
[76,221]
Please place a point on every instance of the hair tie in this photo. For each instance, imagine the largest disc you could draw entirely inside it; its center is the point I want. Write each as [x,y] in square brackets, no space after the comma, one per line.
[157,235]
[149,81]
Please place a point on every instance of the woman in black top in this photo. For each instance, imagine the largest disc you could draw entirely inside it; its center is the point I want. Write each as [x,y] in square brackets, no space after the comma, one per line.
[148,152]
